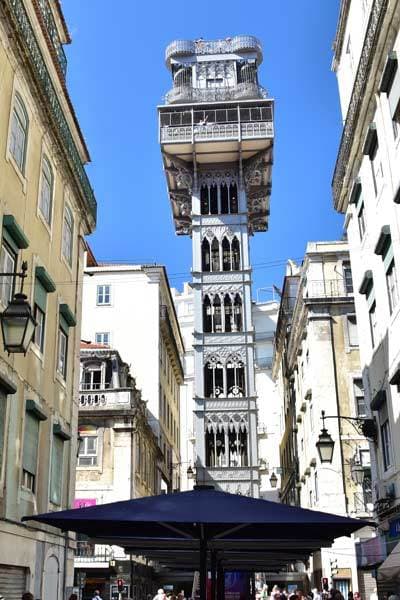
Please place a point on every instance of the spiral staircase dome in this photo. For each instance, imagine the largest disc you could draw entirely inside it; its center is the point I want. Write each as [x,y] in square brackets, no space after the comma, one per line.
[179,48]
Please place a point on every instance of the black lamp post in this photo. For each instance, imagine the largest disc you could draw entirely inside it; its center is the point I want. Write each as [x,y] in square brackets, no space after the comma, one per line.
[273,480]
[17,322]
[325,444]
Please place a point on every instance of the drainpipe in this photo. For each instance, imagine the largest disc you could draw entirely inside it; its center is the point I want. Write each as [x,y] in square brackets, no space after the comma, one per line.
[338,410]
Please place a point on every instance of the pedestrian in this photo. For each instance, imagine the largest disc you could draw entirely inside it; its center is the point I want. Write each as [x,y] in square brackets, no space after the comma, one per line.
[316,594]
[357,596]
[96,595]
[264,592]
[181,595]
[27,596]
[160,595]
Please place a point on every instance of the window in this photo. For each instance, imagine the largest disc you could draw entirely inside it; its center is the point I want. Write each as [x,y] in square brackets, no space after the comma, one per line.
[214,83]
[390,85]
[88,447]
[392,286]
[386,441]
[103,295]
[347,277]
[39,331]
[62,352]
[92,378]
[361,219]
[56,478]
[30,451]
[372,322]
[46,190]
[352,331]
[3,414]
[8,263]
[359,397]
[367,288]
[316,486]
[68,235]
[371,149]
[19,133]
[103,337]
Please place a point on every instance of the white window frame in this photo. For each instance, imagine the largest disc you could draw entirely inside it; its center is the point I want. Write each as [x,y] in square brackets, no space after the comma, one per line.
[392,285]
[8,264]
[46,191]
[39,336]
[68,234]
[356,395]
[100,336]
[18,137]
[352,327]
[101,295]
[84,453]
[62,353]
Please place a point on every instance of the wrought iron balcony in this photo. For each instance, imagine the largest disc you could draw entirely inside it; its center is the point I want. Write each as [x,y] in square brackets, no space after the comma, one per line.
[53,34]
[328,288]
[243,91]
[238,43]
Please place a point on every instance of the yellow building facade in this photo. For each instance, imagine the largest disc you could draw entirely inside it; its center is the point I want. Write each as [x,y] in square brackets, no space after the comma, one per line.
[46,208]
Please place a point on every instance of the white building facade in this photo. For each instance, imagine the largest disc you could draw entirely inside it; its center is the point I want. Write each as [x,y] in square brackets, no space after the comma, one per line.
[130,308]
[269,428]
[216,136]
[366,189]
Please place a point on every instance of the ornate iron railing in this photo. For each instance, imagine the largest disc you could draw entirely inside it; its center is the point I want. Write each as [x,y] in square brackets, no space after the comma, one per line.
[38,65]
[242,91]
[217,131]
[86,552]
[53,33]
[357,97]
[239,43]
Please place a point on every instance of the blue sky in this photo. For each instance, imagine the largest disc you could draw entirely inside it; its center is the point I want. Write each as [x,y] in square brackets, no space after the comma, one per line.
[117,76]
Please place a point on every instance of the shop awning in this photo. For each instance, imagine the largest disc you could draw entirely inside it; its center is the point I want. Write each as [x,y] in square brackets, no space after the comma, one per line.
[390,568]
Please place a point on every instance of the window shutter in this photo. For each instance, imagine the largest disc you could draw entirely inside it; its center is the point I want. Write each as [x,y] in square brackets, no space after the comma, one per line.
[388,256]
[3,413]
[394,94]
[40,295]
[57,455]
[31,441]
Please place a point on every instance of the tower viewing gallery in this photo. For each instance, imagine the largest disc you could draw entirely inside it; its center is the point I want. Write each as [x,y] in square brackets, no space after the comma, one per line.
[216,135]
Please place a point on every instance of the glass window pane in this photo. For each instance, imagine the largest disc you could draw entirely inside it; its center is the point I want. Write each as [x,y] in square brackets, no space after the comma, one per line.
[56,470]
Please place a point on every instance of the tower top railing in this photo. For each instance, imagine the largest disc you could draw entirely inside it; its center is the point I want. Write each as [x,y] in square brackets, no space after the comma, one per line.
[231,45]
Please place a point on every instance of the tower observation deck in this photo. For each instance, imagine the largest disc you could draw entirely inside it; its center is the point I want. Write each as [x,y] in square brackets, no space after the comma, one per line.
[216,135]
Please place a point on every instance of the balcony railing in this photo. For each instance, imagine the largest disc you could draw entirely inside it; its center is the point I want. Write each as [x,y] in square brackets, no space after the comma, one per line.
[239,43]
[242,91]
[328,288]
[53,34]
[95,386]
[223,131]
[105,399]
[86,552]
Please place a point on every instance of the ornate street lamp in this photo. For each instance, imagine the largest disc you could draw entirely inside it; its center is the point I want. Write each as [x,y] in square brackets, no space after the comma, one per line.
[325,444]
[17,322]
[357,472]
[190,472]
[273,480]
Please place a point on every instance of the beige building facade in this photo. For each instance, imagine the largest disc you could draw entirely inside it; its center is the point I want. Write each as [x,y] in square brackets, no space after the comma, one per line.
[46,207]
[317,367]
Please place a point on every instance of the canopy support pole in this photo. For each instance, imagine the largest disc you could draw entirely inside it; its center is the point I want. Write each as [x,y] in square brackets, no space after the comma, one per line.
[203,565]
[220,581]
[213,574]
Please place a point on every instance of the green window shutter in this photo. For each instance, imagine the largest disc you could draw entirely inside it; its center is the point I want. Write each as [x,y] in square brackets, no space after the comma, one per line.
[63,324]
[40,295]
[3,412]
[68,315]
[45,279]
[14,234]
[57,459]
[31,442]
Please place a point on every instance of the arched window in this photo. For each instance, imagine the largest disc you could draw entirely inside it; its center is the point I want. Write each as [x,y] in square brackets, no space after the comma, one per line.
[205,255]
[215,255]
[237,442]
[214,199]
[217,315]
[46,190]
[226,255]
[237,313]
[215,445]
[233,199]
[210,448]
[213,379]
[68,234]
[228,313]
[207,319]
[204,200]
[224,199]
[235,378]
[19,133]
[235,254]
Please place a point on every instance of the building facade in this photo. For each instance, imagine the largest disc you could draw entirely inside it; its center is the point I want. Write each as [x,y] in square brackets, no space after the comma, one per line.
[117,460]
[130,308]
[366,190]
[317,363]
[264,315]
[216,136]
[46,206]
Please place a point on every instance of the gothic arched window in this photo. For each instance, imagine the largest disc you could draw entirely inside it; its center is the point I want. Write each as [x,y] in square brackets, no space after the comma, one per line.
[237,444]
[214,199]
[205,255]
[217,315]
[233,199]
[204,200]
[207,319]
[215,255]
[237,313]
[235,254]
[224,199]
[226,255]
[235,378]
[228,313]
[213,379]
